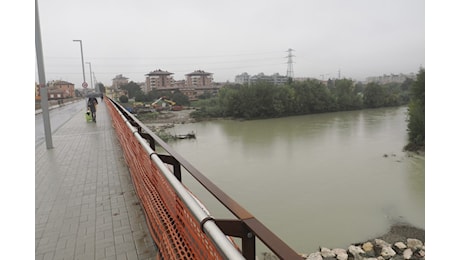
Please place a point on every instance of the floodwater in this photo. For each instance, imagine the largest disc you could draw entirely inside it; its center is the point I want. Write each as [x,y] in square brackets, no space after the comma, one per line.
[316,180]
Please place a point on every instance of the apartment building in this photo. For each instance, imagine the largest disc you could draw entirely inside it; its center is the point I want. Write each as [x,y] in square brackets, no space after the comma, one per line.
[243,78]
[275,78]
[118,81]
[198,78]
[392,78]
[159,79]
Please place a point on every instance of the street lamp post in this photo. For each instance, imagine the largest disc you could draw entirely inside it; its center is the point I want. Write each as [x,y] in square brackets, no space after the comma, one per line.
[90,74]
[42,81]
[82,61]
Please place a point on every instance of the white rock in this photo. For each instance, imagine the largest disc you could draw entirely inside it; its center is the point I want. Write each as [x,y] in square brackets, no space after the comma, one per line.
[387,252]
[400,245]
[315,256]
[304,255]
[381,243]
[339,251]
[414,243]
[326,252]
[356,251]
[341,254]
[407,253]
[422,253]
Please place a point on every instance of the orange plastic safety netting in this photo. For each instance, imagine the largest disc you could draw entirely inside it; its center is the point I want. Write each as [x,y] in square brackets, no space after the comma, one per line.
[175,231]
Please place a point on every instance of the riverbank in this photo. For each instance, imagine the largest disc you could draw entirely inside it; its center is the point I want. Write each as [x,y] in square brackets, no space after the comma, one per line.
[160,122]
[168,117]
[402,241]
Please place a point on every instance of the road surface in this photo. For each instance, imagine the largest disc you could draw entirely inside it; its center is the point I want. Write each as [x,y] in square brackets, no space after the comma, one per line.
[58,116]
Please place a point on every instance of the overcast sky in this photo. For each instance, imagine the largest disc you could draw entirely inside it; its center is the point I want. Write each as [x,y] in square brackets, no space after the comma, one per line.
[359,38]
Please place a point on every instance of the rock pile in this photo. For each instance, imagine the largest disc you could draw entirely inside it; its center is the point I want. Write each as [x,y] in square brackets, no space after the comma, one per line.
[376,249]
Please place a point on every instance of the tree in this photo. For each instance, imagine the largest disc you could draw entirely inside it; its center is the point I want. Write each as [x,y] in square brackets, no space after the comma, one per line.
[345,95]
[141,97]
[101,87]
[180,98]
[405,86]
[302,96]
[359,88]
[416,122]
[373,95]
[132,88]
[321,98]
[123,99]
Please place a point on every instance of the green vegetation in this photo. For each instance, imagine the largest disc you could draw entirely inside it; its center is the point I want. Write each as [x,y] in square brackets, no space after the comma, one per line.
[416,121]
[147,117]
[265,100]
[123,99]
[164,135]
[133,90]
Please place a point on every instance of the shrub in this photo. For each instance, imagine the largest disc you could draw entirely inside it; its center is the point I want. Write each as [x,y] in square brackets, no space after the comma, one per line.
[123,99]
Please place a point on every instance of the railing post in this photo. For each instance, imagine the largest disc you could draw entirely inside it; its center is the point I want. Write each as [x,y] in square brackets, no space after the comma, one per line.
[248,244]
[237,228]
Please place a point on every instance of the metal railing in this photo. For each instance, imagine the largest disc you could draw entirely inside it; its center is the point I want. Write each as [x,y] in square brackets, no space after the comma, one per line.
[245,226]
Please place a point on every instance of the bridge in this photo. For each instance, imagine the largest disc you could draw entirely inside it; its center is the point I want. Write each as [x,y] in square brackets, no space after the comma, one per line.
[113,190]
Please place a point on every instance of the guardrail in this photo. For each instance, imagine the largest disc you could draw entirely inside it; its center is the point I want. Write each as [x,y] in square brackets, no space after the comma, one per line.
[165,199]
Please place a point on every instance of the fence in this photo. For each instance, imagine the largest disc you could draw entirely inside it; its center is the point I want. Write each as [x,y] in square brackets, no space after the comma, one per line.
[181,227]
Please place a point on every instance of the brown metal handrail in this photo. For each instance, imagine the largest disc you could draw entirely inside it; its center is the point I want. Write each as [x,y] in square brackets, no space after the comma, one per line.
[246,226]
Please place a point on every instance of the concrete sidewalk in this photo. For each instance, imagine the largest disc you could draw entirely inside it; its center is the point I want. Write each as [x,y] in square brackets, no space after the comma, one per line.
[85,203]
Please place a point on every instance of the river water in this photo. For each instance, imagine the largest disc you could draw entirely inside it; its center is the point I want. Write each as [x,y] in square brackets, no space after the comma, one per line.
[316,180]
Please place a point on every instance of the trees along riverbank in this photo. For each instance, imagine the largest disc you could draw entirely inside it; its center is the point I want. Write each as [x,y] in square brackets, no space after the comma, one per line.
[265,100]
[416,122]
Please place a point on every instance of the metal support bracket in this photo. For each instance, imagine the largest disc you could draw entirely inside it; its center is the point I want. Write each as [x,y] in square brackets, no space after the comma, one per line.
[176,165]
[237,228]
[148,138]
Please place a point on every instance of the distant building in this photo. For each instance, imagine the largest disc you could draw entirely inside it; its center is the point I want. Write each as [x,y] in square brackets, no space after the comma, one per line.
[392,78]
[198,83]
[159,79]
[179,83]
[198,78]
[275,79]
[301,79]
[118,81]
[195,83]
[243,78]
[279,80]
[61,89]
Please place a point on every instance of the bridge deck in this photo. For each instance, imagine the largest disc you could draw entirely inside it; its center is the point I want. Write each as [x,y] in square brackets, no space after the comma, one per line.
[85,203]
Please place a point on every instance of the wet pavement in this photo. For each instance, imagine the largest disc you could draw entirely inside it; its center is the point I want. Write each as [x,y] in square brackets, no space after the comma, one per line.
[58,115]
[85,204]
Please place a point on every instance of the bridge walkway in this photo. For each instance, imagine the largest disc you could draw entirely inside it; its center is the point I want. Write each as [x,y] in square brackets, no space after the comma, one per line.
[85,203]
